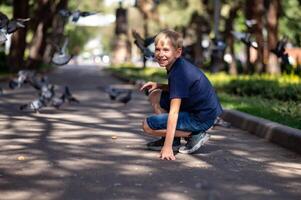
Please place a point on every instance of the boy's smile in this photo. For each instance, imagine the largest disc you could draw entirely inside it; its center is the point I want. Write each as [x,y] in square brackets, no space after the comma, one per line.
[166,54]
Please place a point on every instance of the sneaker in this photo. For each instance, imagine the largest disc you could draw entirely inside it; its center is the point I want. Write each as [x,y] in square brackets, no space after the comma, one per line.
[194,143]
[158,144]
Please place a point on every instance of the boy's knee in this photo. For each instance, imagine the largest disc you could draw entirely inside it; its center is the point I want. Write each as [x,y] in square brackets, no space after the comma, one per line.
[145,127]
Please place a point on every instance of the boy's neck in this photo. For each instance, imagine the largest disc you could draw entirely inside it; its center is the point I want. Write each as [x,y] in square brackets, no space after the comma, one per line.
[168,68]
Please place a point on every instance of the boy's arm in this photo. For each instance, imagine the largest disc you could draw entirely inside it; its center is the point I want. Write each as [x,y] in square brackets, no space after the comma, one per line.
[166,152]
[163,87]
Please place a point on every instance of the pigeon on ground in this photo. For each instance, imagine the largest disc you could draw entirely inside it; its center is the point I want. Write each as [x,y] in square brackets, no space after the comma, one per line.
[125,97]
[245,38]
[24,76]
[114,92]
[145,45]
[75,15]
[61,56]
[69,97]
[35,105]
[220,122]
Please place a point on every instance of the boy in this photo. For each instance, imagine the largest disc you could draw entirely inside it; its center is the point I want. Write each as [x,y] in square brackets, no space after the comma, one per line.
[186,107]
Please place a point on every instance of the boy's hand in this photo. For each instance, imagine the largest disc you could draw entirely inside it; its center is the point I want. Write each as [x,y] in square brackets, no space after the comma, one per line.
[167,153]
[149,86]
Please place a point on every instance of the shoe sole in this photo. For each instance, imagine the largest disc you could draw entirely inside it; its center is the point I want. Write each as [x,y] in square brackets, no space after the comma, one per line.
[174,148]
[197,146]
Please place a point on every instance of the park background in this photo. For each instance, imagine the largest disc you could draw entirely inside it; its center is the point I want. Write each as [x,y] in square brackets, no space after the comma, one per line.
[251,80]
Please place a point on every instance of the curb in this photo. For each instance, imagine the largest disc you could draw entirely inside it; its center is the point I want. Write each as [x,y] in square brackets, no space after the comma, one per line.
[284,136]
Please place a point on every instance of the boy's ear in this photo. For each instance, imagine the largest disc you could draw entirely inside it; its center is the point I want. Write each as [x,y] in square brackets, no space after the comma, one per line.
[179,52]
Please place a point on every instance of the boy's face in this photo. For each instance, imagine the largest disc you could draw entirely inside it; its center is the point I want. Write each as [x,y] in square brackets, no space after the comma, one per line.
[166,54]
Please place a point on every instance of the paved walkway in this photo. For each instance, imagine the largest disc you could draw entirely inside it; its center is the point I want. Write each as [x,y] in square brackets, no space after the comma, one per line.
[70,153]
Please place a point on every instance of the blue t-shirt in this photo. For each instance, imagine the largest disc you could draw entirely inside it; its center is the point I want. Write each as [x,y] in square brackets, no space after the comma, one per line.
[189,83]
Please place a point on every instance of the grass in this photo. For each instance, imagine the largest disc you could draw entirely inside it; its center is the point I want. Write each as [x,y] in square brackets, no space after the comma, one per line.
[283,112]
[287,113]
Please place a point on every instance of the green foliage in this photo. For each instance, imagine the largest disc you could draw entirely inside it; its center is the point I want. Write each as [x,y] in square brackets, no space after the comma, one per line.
[269,87]
[290,23]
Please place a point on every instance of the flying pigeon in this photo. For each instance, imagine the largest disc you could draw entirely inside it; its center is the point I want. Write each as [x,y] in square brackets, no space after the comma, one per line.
[145,45]
[279,50]
[250,22]
[245,38]
[75,15]
[3,20]
[15,24]
[9,26]
[61,57]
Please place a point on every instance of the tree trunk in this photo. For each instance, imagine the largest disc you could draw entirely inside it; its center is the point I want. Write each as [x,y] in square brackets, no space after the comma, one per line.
[230,39]
[273,66]
[258,10]
[18,40]
[249,15]
[44,16]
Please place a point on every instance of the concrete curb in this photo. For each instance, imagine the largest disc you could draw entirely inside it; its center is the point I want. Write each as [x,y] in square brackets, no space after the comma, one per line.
[284,136]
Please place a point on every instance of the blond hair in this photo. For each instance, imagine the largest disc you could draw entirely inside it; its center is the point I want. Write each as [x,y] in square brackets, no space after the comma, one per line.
[174,37]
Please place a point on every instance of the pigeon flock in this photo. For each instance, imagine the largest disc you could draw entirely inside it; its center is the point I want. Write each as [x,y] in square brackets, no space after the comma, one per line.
[47,96]
[46,91]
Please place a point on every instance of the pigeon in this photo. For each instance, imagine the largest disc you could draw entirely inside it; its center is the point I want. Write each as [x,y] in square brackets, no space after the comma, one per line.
[35,105]
[250,22]
[9,26]
[114,92]
[125,97]
[279,51]
[245,38]
[57,102]
[220,122]
[15,24]
[24,76]
[75,15]
[61,57]
[145,45]
[3,20]
[69,97]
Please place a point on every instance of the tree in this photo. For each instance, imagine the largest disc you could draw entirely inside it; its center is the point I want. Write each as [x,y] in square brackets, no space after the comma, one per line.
[43,18]
[273,7]
[18,42]
[229,37]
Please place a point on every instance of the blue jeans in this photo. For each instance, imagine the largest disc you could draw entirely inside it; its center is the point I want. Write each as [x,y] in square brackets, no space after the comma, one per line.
[186,122]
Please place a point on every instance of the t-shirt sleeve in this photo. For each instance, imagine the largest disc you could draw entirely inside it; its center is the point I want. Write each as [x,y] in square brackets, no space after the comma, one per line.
[178,86]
